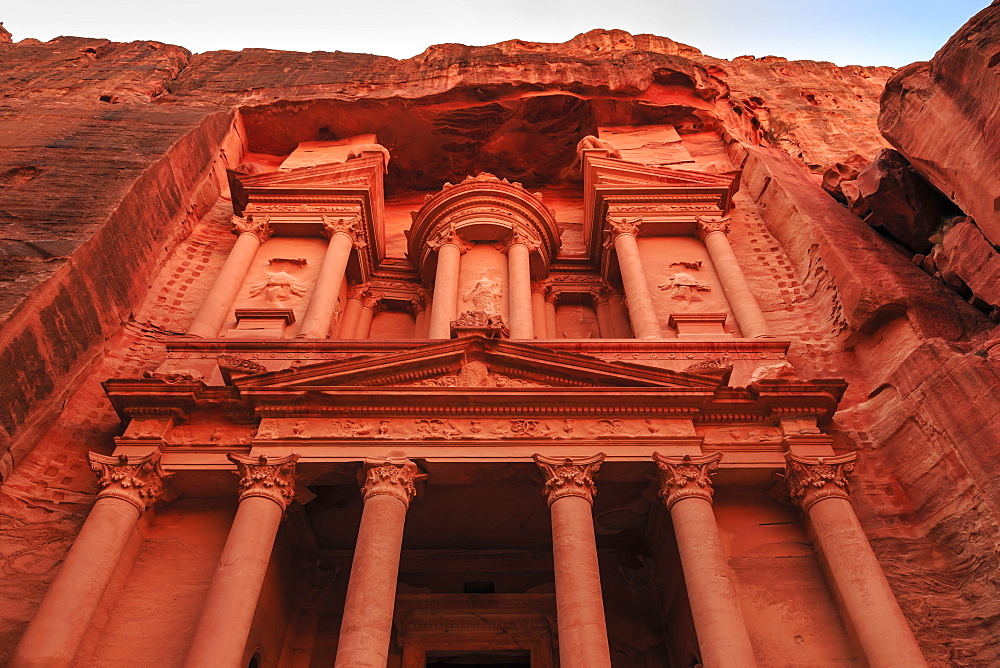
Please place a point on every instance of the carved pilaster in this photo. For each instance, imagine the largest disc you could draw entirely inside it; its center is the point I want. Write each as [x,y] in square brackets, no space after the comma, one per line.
[138,480]
[812,479]
[569,476]
[255,224]
[708,225]
[686,477]
[349,226]
[395,476]
[270,477]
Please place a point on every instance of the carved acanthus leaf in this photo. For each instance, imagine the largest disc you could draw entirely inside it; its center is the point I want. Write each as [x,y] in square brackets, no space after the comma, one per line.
[812,479]
[569,476]
[624,226]
[351,226]
[270,477]
[708,225]
[394,476]
[686,477]
[254,224]
[137,480]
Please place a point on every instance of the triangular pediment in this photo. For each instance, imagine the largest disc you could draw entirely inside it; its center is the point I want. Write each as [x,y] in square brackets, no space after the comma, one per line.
[475,363]
[358,172]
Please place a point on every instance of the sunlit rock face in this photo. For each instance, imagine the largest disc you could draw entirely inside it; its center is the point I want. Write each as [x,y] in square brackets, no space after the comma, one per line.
[548,183]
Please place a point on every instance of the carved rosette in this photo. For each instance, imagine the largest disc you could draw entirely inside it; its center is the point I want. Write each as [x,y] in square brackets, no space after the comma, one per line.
[340,225]
[137,480]
[395,476]
[254,224]
[569,476]
[270,477]
[708,225]
[812,479]
[686,477]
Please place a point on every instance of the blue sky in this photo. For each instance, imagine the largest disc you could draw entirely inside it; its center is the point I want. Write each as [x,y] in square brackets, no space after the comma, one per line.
[859,32]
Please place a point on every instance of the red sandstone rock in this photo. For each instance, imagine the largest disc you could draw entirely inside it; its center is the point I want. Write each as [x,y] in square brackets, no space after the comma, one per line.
[973,259]
[944,117]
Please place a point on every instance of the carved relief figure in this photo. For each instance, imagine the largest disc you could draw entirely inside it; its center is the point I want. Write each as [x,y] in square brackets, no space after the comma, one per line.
[485,295]
[684,287]
[279,286]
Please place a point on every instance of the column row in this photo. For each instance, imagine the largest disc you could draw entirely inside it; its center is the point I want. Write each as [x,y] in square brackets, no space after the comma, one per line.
[266,487]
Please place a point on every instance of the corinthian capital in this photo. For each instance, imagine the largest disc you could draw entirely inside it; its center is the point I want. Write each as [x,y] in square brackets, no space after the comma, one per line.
[270,477]
[524,238]
[138,480]
[618,226]
[395,476]
[686,477]
[448,235]
[569,476]
[340,225]
[708,225]
[812,479]
[254,224]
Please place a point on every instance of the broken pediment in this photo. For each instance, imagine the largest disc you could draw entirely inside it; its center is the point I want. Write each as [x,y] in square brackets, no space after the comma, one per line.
[475,362]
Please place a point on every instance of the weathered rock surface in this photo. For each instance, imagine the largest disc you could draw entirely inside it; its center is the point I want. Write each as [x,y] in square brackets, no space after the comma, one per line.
[944,117]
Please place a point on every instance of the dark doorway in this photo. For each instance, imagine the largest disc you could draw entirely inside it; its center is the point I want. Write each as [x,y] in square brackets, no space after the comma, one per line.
[479,659]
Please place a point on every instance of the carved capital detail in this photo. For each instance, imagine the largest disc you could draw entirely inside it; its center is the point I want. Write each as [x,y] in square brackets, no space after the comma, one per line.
[270,477]
[448,235]
[350,226]
[812,479]
[524,238]
[617,226]
[419,300]
[137,480]
[686,477]
[395,476]
[569,476]
[708,225]
[255,224]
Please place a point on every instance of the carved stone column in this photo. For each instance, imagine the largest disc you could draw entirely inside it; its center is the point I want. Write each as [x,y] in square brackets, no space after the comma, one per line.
[622,235]
[450,248]
[539,321]
[619,317]
[746,310]
[686,491]
[570,490]
[819,486]
[129,485]
[605,326]
[389,486]
[319,314]
[551,297]
[253,231]
[267,486]
[351,316]
[420,324]
[519,278]
[371,303]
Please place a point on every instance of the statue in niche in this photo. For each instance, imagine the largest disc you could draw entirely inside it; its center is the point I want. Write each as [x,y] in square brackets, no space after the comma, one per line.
[485,296]
[279,286]
[684,287]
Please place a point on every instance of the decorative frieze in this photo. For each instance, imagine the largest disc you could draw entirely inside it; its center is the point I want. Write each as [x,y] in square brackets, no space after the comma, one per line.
[270,477]
[137,480]
[569,476]
[394,476]
[686,477]
[812,479]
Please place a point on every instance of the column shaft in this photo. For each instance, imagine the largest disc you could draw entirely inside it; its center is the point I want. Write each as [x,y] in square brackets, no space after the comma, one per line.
[350,318]
[605,326]
[551,329]
[619,318]
[219,301]
[445,304]
[519,278]
[319,314]
[371,594]
[583,635]
[232,599]
[718,620]
[870,604]
[745,308]
[61,621]
[365,322]
[538,314]
[637,296]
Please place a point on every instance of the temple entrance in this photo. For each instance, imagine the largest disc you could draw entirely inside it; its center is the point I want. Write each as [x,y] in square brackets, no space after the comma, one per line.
[494,630]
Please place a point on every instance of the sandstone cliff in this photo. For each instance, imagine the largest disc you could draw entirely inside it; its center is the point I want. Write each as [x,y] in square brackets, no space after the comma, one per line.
[113,153]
